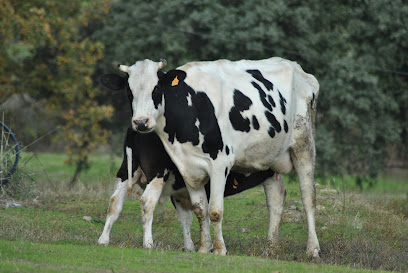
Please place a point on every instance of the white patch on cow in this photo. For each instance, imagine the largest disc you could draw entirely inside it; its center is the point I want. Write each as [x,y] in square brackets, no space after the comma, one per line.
[129,162]
[189,102]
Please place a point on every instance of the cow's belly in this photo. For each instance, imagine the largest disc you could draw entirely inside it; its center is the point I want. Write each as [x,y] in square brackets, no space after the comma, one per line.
[262,155]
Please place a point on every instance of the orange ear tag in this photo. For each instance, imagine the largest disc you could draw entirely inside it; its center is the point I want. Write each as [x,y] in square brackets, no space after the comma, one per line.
[175,82]
[235,184]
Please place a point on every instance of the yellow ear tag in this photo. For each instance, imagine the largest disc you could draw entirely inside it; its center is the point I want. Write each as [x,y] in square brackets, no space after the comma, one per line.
[175,82]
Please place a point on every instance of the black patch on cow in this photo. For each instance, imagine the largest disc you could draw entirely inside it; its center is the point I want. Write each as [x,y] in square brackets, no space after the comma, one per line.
[285,126]
[157,96]
[130,96]
[117,82]
[160,174]
[114,81]
[273,121]
[179,182]
[255,123]
[181,118]
[147,153]
[241,103]
[258,75]
[173,201]
[271,132]
[262,95]
[271,101]
[282,101]
[226,172]
[160,74]
[268,102]
[166,177]
[312,101]
[238,182]
[227,151]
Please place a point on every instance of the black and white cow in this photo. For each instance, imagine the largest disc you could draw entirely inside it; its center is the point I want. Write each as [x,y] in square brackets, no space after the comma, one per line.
[214,117]
[151,163]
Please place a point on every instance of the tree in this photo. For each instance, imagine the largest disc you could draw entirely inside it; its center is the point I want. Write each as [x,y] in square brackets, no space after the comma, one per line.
[45,53]
[349,46]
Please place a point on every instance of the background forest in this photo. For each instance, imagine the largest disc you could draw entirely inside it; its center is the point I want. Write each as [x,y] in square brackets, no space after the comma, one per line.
[52,53]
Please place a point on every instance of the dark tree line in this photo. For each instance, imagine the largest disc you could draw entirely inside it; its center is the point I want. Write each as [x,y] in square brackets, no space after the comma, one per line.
[356,49]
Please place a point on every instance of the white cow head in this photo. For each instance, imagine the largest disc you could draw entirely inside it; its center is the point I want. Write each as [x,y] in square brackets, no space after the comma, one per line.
[145,96]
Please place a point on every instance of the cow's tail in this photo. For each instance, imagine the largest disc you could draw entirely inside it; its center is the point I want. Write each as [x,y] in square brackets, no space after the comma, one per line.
[313,103]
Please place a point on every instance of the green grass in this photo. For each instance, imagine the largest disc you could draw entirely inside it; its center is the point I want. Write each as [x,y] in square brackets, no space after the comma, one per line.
[354,229]
[17,256]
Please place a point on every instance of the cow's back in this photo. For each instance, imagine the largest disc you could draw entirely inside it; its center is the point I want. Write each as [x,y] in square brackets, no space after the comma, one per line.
[256,104]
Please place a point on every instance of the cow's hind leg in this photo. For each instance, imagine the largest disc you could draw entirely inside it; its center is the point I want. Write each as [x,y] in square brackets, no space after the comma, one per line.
[148,202]
[303,157]
[275,196]
[115,207]
[186,219]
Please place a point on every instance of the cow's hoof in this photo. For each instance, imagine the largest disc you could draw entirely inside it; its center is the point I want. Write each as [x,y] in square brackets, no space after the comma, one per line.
[189,247]
[148,245]
[204,249]
[103,241]
[313,253]
[221,252]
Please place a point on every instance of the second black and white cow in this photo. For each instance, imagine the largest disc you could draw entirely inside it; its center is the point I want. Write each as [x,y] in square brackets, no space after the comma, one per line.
[162,178]
[222,116]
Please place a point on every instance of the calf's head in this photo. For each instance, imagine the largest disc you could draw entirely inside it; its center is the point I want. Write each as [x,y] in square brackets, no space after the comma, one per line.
[144,92]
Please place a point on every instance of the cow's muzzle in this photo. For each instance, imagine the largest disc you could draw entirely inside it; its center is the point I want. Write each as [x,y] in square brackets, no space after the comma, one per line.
[141,125]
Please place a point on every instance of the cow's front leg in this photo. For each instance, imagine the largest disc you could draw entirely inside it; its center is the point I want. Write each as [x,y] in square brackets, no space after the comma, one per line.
[200,207]
[275,196]
[185,219]
[148,202]
[115,207]
[217,209]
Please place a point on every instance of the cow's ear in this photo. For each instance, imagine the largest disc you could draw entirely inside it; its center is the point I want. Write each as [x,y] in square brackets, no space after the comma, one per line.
[160,74]
[113,81]
[173,78]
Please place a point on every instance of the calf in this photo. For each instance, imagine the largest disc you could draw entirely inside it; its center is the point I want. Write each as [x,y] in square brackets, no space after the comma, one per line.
[163,179]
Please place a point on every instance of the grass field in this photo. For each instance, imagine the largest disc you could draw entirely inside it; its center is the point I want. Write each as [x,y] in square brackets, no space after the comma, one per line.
[48,233]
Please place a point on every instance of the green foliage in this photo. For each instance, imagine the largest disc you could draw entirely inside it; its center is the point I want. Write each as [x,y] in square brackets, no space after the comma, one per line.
[44,53]
[349,46]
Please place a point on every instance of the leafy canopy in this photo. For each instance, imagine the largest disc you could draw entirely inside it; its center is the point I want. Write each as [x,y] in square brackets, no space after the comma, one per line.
[349,46]
[46,52]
